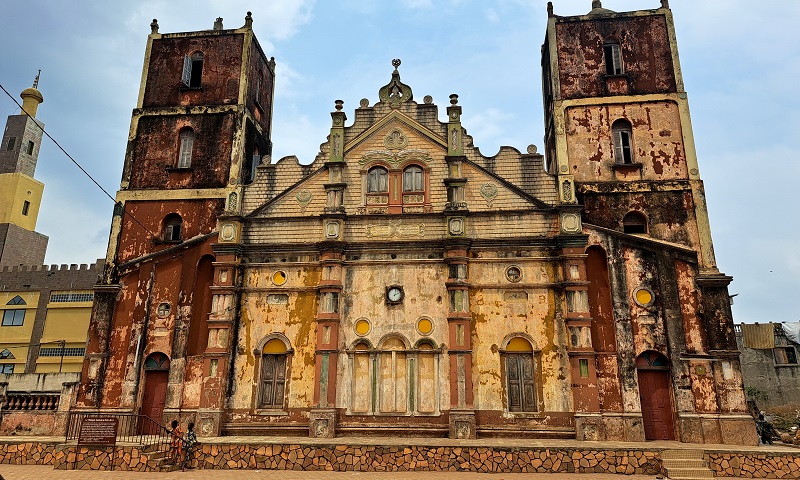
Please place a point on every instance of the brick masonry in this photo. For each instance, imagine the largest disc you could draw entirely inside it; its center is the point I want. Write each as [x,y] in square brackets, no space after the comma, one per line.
[396,458]
[19,246]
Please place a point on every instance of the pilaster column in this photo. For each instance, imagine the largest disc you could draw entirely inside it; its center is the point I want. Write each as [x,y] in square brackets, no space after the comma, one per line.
[462,416]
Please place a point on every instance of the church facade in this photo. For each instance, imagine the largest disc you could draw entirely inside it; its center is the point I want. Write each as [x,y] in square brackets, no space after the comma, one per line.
[405,284]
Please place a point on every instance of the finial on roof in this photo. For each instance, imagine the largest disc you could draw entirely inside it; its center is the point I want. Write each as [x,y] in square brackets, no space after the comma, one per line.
[154,26]
[597,4]
[248,20]
[396,92]
[664,3]
[549,9]
[218,23]
[453,99]
[339,104]
[31,98]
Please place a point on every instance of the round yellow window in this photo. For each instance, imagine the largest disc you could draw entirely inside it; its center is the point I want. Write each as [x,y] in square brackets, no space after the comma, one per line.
[425,326]
[643,296]
[362,327]
[279,277]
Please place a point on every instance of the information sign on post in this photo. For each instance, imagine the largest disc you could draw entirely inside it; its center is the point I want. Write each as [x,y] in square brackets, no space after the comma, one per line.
[98,430]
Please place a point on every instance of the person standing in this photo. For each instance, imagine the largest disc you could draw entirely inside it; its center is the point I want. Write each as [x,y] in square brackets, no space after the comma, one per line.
[176,446]
[188,446]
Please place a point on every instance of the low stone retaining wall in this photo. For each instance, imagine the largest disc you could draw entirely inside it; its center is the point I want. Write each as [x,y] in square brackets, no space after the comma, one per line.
[754,465]
[428,458]
[322,457]
[27,453]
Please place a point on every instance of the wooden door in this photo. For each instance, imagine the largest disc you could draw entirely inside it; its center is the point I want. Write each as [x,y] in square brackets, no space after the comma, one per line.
[273,380]
[155,396]
[656,404]
[521,387]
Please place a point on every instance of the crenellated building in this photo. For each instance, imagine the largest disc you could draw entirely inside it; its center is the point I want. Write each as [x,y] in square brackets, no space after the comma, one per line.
[405,284]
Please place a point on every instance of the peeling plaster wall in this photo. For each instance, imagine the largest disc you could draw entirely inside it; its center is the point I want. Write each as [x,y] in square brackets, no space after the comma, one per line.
[199,217]
[155,152]
[222,55]
[501,309]
[657,141]
[645,45]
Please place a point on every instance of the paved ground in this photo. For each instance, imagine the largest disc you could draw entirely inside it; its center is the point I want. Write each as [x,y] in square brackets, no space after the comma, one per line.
[25,472]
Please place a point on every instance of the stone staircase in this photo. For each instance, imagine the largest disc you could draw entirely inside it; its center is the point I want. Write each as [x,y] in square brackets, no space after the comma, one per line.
[685,465]
[159,460]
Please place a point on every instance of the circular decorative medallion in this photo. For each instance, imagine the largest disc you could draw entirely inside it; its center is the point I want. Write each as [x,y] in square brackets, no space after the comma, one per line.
[364,103]
[362,327]
[513,274]
[396,140]
[424,326]
[279,277]
[427,99]
[164,309]
[532,149]
[694,171]
[643,297]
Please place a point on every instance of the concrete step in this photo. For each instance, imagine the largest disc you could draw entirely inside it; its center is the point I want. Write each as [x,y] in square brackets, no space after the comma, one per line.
[682,454]
[684,463]
[689,473]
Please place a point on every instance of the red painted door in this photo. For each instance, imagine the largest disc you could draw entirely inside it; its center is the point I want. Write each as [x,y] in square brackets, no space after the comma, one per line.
[656,404]
[155,396]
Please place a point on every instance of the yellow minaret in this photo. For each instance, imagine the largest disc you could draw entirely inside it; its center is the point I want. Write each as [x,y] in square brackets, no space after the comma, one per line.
[20,193]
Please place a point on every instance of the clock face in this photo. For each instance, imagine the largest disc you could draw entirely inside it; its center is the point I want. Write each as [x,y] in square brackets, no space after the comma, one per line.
[394,294]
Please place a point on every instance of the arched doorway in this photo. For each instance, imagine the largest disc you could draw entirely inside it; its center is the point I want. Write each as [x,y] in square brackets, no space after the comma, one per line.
[156,377]
[656,396]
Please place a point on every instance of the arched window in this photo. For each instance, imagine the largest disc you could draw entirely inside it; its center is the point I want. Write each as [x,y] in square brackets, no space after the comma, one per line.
[413,179]
[273,374]
[192,70]
[173,224]
[157,361]
[634,222]
[14,317]
[377,180]
[623,141]
[520,383]
[186,145]
[613,58]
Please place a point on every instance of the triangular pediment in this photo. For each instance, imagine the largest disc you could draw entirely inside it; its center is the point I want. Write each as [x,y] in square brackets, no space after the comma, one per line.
[400,119]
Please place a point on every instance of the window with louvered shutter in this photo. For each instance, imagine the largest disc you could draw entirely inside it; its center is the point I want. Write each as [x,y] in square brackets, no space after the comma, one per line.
[613,59]
[185,153]
[186,76]
[622,136]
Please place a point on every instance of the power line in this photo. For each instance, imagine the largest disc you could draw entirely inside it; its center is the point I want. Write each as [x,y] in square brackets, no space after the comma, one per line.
[76,163]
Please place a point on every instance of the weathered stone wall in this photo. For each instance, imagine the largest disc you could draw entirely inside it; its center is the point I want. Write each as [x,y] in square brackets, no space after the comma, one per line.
[779,384]
[318,457]
[752,465]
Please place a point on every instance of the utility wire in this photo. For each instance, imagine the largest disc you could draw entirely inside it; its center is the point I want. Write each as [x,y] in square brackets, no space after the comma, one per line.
[76,162]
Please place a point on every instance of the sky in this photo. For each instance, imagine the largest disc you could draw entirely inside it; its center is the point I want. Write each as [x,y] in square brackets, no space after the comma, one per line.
[740,62]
